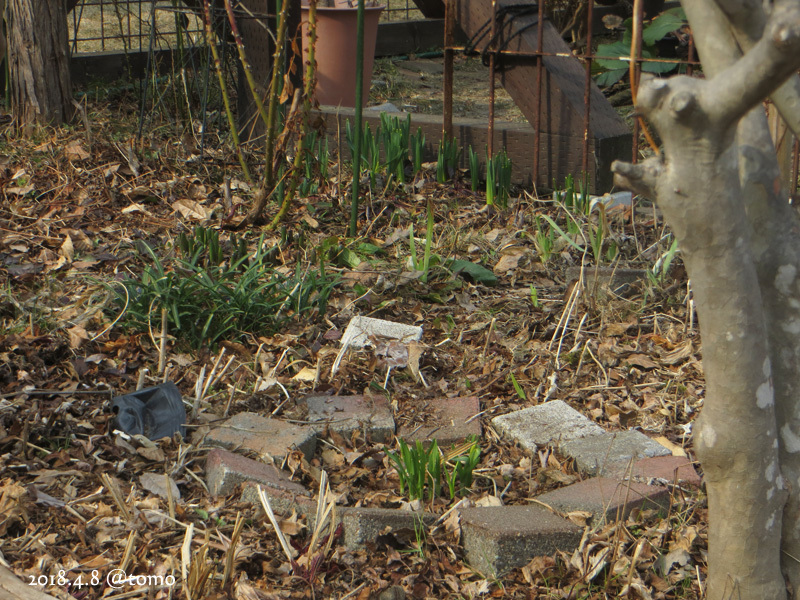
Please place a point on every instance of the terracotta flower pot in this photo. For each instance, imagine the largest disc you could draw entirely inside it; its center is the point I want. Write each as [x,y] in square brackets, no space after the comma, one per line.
[336,51]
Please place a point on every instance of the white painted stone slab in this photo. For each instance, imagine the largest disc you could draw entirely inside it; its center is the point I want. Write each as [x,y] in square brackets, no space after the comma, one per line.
[360,329]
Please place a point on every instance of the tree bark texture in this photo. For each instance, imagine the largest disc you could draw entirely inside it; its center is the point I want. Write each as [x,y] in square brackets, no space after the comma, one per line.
[38,61]
[718,185]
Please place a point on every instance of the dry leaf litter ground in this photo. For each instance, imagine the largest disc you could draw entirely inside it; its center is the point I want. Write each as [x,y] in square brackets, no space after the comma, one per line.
[75,214]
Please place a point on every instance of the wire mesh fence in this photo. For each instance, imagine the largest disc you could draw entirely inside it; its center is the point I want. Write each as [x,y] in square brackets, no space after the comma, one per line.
[142,25]
[124,25]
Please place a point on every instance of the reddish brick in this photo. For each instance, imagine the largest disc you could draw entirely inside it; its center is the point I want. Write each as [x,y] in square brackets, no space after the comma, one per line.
[345,414]
[607,499]
[445,420]
[282,501]
[268,438]
[225,470]
[672,469]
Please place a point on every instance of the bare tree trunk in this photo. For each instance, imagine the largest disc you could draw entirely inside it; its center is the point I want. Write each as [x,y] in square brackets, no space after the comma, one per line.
[776,248]
[718,186]
[38,60]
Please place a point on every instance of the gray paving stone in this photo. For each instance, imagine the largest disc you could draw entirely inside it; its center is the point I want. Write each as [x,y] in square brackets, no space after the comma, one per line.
[548,423]
[266,437]
[226,470]
[445,420]
[605,454]
[345,414]
[497,539]
[363,525]
[607,499]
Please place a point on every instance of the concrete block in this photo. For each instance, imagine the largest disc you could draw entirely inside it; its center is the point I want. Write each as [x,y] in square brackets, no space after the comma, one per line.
[605,454]
[363,525]
[497,539]
[445,420]
[226,470]
[266,437]
[607,499]
[345,414]
[548,423]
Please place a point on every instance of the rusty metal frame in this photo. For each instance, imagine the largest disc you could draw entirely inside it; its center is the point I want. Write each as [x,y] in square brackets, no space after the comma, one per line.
[588,57]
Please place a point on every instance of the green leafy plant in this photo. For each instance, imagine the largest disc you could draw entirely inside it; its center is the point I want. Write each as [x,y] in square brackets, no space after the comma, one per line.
[211,294]
[421,468]
[613,60]
[535,297]
[658,273]
[395,135]
[447,159]
[501,168]
[464,459]
[474,169]
[603,246]
[543,239]
[418,145]
[575,201]
[425,264]
[370,150]
[517,387]
[412,464]
[317,155]
[498,178]
[396,155]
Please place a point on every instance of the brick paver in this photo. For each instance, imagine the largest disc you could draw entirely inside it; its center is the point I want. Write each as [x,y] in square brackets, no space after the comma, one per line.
[497,539]
[226,470]
[604,454]
[607,499]
[446,420]
[345,414]
[268,438]
[549,423]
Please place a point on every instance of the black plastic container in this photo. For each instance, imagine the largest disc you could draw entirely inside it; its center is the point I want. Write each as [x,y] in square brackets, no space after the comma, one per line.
[155,412]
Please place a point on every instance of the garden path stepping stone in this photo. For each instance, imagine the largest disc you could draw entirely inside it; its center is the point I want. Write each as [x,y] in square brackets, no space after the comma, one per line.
[225,470]
[268,438]
[345,414]
[607,499]
[446,421]
[548,423]
[282,501]
[362,525]
[497,539]
[668,469]
[605,454]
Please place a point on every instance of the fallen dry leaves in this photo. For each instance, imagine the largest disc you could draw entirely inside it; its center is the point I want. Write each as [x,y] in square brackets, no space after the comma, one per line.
[77,499]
